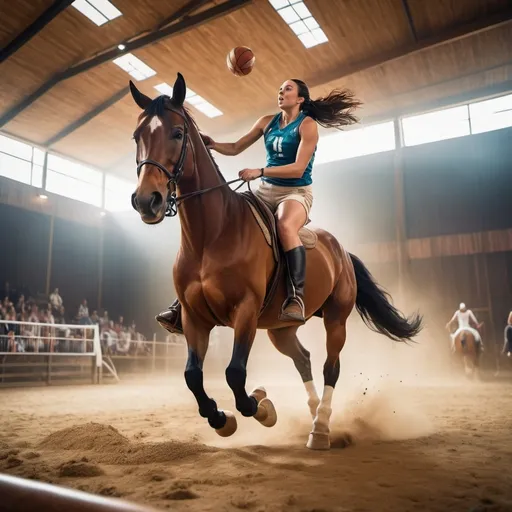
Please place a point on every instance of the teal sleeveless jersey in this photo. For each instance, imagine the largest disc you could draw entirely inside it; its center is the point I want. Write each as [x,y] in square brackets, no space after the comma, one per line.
[282,145]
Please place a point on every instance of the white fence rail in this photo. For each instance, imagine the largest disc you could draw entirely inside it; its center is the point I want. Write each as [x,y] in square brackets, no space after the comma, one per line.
[44,353]
[55,339]
[41,353]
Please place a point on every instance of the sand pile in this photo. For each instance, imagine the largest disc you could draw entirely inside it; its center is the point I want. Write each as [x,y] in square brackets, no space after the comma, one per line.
[114,448]
[148,453]
[88,436]
[80,469]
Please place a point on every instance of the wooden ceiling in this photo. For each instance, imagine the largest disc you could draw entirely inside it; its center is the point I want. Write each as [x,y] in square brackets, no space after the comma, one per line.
[397,55]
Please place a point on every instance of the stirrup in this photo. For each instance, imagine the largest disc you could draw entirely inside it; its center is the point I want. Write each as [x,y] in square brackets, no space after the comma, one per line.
[293,317]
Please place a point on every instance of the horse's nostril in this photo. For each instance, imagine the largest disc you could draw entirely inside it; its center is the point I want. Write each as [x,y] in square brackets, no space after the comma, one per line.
[156,202]
[134,201]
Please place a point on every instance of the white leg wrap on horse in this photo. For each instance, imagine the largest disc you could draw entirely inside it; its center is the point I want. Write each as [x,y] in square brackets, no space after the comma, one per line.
[319,437]
[313,398]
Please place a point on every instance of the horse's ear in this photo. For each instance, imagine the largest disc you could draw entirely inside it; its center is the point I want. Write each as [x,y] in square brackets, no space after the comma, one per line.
[179,91]
[141,99]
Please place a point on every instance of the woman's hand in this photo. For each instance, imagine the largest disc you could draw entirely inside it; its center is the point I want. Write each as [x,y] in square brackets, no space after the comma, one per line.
[250,174]
[208,141]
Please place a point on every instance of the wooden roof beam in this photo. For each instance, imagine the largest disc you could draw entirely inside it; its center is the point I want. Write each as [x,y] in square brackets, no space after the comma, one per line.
[185,11]
[87,117]
[449,36]
[410,21]
[184,25]
[34,28]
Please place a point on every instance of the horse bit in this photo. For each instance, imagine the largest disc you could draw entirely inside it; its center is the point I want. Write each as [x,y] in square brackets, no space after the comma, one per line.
[174,177]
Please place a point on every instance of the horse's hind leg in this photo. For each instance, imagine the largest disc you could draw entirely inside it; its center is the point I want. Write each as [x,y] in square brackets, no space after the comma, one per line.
[224,422]
[336,312]
[476,362]
[469,365]
[286,341]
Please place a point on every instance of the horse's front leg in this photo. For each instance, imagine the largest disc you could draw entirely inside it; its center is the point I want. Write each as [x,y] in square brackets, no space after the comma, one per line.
[256,404]
[197,335]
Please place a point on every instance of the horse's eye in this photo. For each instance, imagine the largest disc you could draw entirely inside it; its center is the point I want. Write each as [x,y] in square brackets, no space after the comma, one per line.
[178,135]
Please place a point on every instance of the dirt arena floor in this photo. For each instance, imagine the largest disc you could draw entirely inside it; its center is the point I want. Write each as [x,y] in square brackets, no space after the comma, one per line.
[420,443]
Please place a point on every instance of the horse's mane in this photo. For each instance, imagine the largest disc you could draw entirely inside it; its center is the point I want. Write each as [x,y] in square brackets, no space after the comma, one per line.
[188,115]
[157,108]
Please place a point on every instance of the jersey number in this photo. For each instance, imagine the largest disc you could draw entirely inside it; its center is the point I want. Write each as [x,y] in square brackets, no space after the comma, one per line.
[278,145]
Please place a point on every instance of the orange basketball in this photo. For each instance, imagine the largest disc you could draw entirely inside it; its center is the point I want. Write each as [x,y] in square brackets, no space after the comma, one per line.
[240,60]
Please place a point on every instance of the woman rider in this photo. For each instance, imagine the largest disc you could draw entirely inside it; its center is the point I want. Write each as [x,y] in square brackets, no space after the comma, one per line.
[291,137]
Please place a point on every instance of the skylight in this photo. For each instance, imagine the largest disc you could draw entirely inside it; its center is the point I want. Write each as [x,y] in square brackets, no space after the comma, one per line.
[297,16]
[198,102]
[134,66]
[164,88]
[98,11]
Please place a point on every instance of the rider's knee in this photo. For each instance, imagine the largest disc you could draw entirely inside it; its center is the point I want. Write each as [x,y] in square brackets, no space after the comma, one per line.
[286,230]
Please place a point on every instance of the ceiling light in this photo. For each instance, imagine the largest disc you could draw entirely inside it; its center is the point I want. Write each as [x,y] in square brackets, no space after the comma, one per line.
[134,66]
[298,17]
[164,88]
[198,102]
[98,11]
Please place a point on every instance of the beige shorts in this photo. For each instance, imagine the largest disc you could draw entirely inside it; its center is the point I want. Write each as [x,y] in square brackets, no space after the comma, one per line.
[274,195]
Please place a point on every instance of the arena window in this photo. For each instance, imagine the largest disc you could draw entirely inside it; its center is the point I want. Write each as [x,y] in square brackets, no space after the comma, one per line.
[358,142]
[492,114]
[74,180]
[37,168]
[440,125]
[21,162]
[118,193]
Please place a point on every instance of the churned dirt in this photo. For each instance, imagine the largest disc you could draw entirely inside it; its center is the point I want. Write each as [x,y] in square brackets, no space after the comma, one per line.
[420,441]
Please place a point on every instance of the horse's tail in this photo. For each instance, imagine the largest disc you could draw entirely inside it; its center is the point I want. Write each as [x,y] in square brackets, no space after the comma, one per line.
[376,310]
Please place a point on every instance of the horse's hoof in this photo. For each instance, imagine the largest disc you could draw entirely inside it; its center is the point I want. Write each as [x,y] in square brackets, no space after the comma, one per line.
[266,413]
[259,393]
[230,427]
[318,441]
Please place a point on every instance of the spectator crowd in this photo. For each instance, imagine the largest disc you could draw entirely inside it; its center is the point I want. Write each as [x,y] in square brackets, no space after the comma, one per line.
[117,337]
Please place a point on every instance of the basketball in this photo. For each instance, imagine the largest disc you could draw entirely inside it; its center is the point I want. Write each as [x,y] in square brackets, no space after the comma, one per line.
[240,60]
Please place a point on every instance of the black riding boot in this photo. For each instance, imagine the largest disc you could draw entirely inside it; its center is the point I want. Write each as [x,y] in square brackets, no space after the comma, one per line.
[170,319]
[293,307]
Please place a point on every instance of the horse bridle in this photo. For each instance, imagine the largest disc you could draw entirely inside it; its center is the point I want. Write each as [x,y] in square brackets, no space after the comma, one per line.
[177,172]
[175,176]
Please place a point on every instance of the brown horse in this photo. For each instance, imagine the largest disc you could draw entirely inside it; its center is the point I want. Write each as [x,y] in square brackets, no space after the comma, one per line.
[224,264]
[469,351]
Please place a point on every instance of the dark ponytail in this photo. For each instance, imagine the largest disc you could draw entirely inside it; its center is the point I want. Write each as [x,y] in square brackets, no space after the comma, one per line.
[335,110]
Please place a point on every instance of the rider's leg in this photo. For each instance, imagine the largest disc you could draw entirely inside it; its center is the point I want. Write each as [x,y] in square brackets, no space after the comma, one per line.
[170,319]
[291,216]
[453,337]
[478,338]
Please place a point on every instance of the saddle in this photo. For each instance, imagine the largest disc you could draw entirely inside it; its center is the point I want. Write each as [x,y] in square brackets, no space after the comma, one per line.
[267,223]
